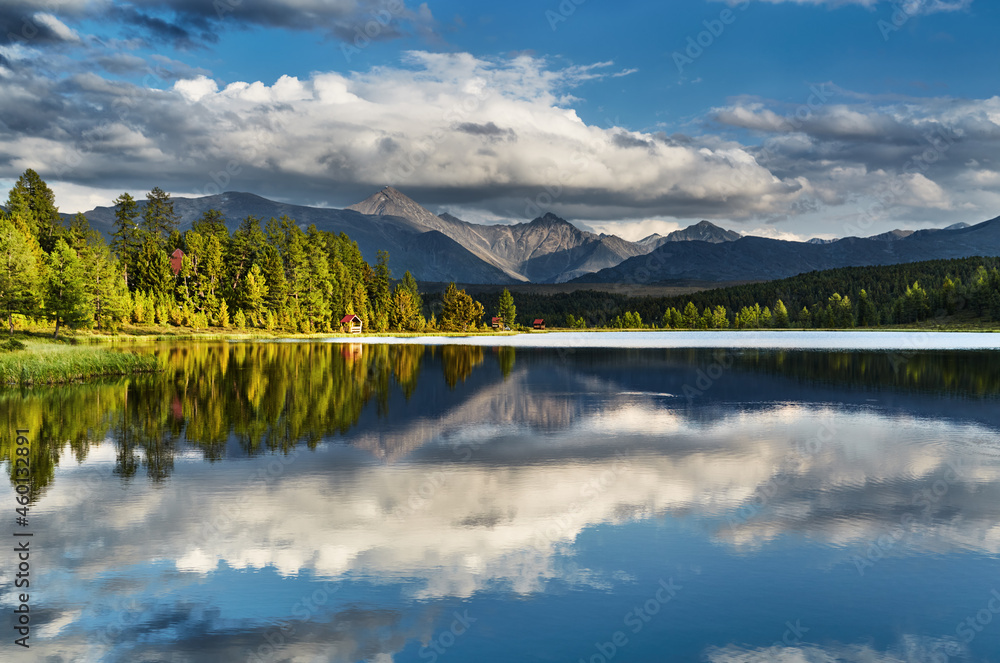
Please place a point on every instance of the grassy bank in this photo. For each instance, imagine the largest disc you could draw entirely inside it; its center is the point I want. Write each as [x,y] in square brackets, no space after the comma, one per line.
[40,361]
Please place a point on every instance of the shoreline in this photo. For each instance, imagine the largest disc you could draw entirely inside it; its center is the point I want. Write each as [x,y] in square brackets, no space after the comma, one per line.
[835,340]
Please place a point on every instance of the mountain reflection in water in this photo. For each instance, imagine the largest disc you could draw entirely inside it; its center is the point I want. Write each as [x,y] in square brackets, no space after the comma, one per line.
[544,494]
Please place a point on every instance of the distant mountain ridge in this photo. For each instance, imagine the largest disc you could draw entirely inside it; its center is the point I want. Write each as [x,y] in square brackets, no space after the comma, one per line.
[703,231]
[762,259]
[549,249]
[545,250]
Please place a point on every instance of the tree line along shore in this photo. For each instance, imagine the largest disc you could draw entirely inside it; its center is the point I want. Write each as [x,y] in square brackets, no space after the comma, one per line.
[274,277]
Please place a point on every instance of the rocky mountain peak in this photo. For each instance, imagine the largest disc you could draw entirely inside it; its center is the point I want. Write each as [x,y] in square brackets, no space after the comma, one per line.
[389,201]
[704,231]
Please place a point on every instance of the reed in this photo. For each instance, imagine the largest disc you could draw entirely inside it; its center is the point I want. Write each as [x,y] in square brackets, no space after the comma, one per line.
[45,362]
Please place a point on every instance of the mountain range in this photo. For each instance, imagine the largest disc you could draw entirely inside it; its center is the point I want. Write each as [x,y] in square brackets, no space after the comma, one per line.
[549,249]
[763,259]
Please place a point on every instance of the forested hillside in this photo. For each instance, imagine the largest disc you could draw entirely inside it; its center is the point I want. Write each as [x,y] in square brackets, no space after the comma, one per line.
[271,275]
[845,297]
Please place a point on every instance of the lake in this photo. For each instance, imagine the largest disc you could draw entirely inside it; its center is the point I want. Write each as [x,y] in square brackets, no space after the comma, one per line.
[381,502]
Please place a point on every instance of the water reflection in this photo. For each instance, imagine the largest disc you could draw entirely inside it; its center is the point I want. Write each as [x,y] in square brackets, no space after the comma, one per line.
[546,496]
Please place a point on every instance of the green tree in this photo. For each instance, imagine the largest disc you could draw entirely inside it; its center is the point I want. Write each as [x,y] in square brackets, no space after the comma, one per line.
[914,304]
[805,318]
[379,294]
[404,315]
[212,222]
[410,285]
[631,320]
[459,311]
[950,297]
[506,310]
[867,313]
[691,316]
[158,217]
[222,317]
[252,294]
[273,270]
[66,300]
[780,317]
[126,237]
[841,311]
[672,319]
[105,284]
[34,202]
[20,279]
[150,270]
[720,317]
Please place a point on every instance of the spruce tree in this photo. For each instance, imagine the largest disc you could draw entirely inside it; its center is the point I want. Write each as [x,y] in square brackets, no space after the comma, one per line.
[125,239]
[780,315]
[20,278]
[33,201]
[252,294]
[66,300]
[158,217]
[506,310]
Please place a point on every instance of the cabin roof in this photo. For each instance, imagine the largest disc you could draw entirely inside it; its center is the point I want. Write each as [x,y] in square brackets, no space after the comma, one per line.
[176,261]
[349,318]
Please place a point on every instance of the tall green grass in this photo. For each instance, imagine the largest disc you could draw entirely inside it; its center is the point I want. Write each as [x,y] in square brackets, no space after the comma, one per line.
[43,362]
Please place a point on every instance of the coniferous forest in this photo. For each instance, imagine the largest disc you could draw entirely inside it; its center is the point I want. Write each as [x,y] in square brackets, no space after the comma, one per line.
[269,275]
[273,275]
[964,289]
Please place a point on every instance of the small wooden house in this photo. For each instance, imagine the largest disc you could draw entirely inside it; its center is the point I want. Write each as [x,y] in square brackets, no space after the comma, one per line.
[497,323]
[176,261]
[351,324]
[539,323]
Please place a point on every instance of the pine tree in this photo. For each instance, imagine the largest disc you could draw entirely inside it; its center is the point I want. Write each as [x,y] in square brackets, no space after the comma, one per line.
[212,222]
[867,313]
[720,317]
[378,292]
[150,270]
[410,285]
[105,285]
[125,239]
[780,317]
[20,279]
[506,310]
[273,270]
[66,299]
[252,292]
[33,201]
[691,316]
[459,311]
[158,217]
[402,315]
[805,318]
[222,318]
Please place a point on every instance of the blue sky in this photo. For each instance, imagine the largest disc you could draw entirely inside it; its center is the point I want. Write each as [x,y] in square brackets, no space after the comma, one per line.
[788,118]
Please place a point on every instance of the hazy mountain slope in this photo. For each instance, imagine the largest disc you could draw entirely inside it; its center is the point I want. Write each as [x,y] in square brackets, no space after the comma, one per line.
[757,258]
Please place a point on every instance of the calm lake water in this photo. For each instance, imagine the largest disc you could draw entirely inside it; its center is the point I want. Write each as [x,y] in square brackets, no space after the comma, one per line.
[316,502]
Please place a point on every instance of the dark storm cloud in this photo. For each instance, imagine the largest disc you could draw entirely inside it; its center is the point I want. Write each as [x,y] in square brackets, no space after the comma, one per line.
[22,24]
[628,140]
[184,32]
[341,19]
[488,130]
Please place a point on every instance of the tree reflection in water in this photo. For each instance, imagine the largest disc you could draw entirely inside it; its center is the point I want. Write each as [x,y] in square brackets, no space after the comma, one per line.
[264,397]
[227,399]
